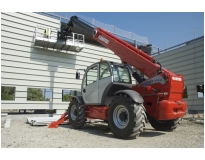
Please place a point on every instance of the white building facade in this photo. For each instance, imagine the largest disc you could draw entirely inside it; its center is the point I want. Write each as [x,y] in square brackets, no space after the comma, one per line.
[25,66]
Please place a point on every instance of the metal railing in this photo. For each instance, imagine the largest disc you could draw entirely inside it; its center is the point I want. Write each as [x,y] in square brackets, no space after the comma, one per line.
[114,30]
[39,32]
[135,39]
[76,39]
[110,28]
[177,46]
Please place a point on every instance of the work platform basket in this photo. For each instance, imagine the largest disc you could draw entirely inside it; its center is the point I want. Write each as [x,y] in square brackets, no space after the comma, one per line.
[74,42]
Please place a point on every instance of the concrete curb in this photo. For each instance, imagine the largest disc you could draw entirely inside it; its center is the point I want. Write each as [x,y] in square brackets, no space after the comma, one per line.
[199,118]
[194,116]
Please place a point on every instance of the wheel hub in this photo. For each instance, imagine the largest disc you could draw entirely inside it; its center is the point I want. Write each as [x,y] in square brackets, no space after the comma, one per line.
[73,112]
[121,116]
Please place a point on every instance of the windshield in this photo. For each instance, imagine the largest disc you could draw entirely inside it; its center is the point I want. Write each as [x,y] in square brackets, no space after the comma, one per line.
[120,74]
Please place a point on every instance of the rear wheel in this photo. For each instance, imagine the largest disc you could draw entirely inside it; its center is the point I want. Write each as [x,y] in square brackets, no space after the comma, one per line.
[126,118]
[76,114]
[168,125]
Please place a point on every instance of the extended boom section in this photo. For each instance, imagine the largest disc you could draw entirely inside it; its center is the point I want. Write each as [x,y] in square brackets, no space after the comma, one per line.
[127,53]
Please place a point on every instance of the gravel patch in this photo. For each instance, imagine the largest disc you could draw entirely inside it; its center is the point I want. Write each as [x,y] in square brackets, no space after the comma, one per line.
[189,134]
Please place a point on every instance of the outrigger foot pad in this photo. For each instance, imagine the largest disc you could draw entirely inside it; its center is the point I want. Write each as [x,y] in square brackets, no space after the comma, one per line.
[55,124]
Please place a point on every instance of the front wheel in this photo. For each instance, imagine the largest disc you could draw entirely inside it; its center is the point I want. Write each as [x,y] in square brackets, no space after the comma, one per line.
[168,125]
[76,114]
[126,118]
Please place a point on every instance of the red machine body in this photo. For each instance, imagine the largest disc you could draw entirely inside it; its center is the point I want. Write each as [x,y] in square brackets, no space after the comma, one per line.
[164,98]
[96,112]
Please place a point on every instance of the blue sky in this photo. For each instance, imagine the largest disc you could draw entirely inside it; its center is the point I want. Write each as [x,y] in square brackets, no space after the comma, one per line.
[163,29]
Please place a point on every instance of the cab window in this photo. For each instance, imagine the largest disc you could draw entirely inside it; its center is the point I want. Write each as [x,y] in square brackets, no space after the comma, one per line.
[104,70]
[92,75]
[121,74]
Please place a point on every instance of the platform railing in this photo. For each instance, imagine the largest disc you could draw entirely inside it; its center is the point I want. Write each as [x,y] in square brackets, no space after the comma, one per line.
[76,39]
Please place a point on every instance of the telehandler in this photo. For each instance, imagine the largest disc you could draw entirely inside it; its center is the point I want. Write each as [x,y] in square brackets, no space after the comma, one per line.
[108,93]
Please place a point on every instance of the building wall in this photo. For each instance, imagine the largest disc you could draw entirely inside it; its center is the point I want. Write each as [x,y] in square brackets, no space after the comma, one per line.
[189,62]
[25,66]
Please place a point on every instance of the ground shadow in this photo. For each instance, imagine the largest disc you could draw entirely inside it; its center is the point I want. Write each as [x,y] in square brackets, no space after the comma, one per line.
[151,133]
[99,129]
[102,129]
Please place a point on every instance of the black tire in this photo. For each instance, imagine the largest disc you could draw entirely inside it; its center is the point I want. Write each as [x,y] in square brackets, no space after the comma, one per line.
[126,118]
[76,114]
[168,125]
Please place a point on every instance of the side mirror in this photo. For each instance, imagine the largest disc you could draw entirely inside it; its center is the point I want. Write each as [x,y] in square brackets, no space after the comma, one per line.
[77,75]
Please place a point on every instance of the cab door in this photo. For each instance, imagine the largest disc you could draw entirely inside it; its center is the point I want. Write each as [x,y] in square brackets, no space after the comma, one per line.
[90,85]
[105,78]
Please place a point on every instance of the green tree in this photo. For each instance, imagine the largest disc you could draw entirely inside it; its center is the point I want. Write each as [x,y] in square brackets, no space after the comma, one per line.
[66,97]
[35,94]
[7,93]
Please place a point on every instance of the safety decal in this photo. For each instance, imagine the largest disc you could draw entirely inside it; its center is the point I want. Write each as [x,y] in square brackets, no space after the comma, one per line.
[103,39]
[156,79]
[176,78]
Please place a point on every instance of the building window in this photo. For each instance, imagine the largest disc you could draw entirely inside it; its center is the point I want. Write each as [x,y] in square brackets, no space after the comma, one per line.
[200,90]
[185,95]
[8,93]
[66,94]
[39,94]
